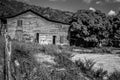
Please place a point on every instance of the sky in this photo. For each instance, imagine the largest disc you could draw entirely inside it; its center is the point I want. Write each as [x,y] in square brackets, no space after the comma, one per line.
[106,6]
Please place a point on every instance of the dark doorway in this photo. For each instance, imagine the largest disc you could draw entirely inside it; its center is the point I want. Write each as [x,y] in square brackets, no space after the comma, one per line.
[54,39]
[37,37]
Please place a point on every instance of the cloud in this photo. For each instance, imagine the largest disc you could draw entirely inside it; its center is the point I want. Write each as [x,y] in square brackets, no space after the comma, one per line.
[57,0]
[112,0]
[107,0]
[53,0]
[64,0]
[98,2]
[117,0]
[87,1]
[111,12]
[92,9]
[24,0]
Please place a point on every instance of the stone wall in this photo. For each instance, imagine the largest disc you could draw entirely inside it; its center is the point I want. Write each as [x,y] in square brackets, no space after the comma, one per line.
[32,25]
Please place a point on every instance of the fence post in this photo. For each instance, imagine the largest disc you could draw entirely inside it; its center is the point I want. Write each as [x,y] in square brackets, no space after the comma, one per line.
[8,56]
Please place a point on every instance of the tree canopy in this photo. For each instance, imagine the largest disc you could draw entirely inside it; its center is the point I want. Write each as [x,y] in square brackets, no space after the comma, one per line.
[93,28]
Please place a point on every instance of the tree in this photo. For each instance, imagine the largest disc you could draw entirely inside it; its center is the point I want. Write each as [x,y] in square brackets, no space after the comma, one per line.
[115,29]
[88,28]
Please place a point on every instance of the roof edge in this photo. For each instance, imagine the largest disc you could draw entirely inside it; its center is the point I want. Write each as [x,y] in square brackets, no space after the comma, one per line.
[30,10]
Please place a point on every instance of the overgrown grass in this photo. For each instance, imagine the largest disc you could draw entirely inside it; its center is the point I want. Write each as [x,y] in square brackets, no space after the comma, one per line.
[114,76]
[64,69]
[86,67]
[29,69]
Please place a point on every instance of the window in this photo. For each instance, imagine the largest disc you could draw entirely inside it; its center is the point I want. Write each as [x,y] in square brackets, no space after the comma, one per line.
[61,39]
[19,23]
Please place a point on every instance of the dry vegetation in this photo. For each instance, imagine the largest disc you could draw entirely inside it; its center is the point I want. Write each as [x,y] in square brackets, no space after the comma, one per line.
[53,66]
[36,62]
[50,62]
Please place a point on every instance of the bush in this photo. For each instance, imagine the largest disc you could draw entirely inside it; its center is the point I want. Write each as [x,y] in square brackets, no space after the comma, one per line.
[114,76]
[29,69]
[102,50]
[86,67]
[64,69]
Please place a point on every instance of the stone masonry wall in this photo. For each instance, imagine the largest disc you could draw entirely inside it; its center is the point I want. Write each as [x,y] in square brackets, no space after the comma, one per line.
[33,24]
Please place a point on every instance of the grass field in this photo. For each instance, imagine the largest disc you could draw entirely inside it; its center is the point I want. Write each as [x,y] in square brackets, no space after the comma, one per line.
[56,62]
[109,62]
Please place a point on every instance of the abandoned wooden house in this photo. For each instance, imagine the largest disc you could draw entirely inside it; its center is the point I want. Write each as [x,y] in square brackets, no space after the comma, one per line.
[29,26]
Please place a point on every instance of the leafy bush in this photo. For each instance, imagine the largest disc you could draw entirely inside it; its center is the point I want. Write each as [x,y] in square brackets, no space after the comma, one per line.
[86,67]
[64,69]
[102,50]
[29,69]
[114,76]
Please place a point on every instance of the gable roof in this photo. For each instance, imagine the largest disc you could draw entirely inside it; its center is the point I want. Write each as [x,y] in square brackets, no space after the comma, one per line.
[36,14]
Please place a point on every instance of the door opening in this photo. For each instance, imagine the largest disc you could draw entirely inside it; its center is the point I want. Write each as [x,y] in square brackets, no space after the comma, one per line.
[37,37]
[54,39]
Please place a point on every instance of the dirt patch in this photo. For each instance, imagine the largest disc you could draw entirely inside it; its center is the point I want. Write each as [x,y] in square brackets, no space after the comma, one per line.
[40,57]
[108,62]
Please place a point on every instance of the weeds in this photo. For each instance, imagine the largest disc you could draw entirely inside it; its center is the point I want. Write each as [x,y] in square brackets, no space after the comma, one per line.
[114,76]
[64,69]
[86,67]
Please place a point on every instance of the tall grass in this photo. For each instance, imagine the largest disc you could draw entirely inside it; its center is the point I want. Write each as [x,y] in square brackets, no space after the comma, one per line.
[29,69]
[64,69]
[86,67]
[114,76]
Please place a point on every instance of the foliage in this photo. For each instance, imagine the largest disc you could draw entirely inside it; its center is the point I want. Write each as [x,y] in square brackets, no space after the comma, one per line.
[115,32]
[29,69]
[64,69]
[12,7]
[114,76]
[86,67]
[88,28]
[102,50]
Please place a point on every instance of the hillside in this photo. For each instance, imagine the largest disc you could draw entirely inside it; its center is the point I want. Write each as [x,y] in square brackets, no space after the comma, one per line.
[12,7]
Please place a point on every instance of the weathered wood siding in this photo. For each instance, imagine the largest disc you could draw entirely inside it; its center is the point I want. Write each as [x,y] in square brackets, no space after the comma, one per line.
[33,24]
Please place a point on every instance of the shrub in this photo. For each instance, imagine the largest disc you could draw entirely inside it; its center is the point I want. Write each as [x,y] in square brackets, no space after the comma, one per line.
[63,61]
[29,69]
[86,67]
[99,74]
[114,76]
[102,50]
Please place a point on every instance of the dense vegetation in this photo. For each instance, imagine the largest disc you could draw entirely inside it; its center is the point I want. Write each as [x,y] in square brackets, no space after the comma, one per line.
[12,7]
[64,69]
[91,29]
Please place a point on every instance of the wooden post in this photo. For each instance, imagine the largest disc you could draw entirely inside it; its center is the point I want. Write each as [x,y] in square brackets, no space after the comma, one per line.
[8,55]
